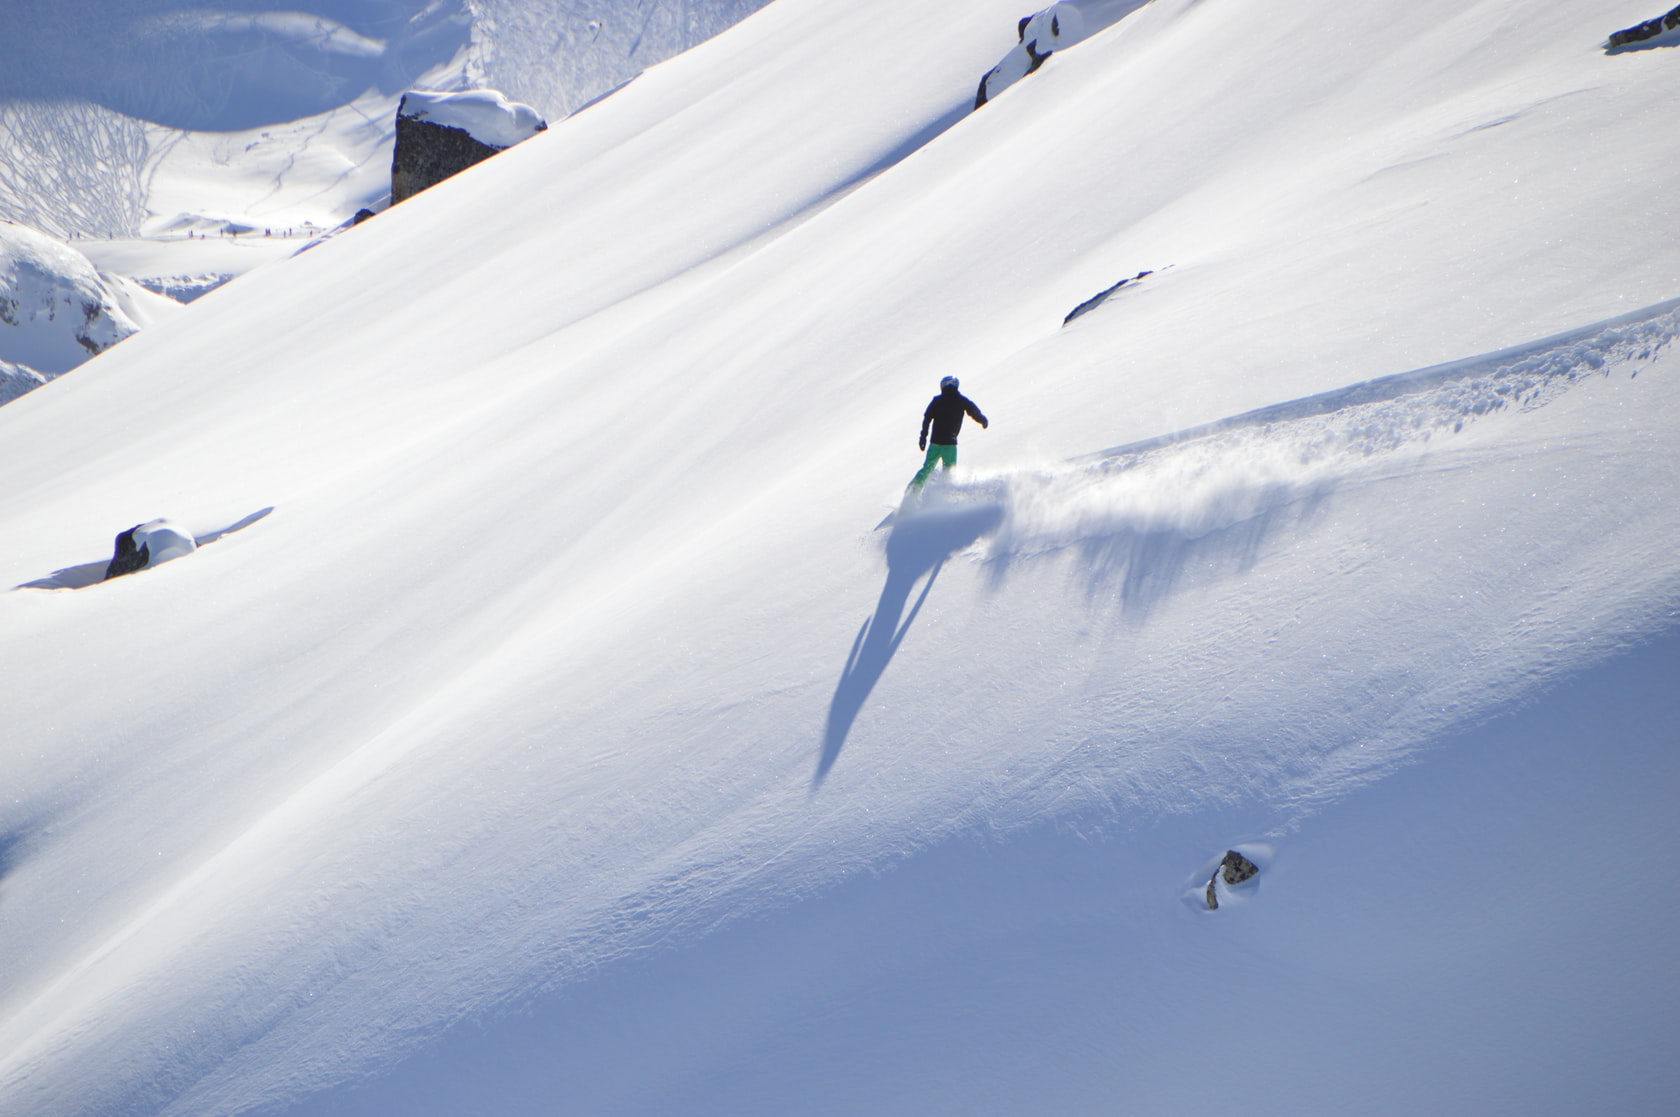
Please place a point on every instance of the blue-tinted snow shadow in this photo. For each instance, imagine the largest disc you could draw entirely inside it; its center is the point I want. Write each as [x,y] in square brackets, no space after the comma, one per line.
[1478,932]
[211,536]
[1141,568]
[11,852]
[916,546]
[932,131]
[1132,562]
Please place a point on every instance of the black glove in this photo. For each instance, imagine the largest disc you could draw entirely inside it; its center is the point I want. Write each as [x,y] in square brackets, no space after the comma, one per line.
[921,443]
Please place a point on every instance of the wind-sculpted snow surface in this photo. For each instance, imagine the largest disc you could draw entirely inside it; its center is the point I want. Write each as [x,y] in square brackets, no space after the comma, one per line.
[1201,515]
[1291,456]
[1226,620]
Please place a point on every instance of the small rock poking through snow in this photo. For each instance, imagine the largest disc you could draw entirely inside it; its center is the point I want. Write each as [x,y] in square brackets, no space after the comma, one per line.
[149,544]
[1040,34]
[1650,29]
[1236,869]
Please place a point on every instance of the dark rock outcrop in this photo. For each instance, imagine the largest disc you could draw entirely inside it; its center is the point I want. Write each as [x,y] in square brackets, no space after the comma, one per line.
[440,135]
[428,153]
[1039,35]
[149,544]
[1235,868]
[1096,300]
[130,556]
[1650,29]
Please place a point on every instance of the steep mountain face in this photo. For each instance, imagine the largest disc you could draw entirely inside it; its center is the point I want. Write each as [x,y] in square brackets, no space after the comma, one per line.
[15,380]
[57,309]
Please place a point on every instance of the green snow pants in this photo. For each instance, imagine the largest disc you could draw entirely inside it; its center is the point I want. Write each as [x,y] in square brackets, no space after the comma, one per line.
[935,454]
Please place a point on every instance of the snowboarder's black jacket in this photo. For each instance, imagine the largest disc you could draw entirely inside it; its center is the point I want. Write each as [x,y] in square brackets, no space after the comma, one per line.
[946,415]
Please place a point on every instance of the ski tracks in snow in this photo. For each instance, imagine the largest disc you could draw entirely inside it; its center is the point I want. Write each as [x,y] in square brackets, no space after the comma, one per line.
[1139,512]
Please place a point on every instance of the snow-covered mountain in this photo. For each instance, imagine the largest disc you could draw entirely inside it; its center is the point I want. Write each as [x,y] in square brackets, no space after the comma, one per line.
[125,118]
[543,723]
[57,309]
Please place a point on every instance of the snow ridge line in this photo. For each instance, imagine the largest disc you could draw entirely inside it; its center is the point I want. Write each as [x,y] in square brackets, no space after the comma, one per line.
[1266,466]
[1520,373]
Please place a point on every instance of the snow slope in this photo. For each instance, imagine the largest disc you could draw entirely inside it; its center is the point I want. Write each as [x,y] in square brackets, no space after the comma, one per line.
[568,662]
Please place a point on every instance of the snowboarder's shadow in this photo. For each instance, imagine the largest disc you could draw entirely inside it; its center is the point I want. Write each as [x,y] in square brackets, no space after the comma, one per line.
[92,573]
[917,545]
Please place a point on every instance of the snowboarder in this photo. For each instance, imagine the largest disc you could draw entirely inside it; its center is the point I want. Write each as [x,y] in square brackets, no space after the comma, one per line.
[945,413]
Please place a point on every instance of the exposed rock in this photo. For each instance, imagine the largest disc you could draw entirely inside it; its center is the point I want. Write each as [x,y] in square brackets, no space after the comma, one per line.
[442,134]
[1096,300]
[1041,34]
[1650,29]
[129,557]
[149,544]
[1235,868]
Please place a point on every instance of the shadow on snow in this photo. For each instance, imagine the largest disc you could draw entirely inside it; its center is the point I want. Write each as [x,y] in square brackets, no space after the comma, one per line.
[916,546]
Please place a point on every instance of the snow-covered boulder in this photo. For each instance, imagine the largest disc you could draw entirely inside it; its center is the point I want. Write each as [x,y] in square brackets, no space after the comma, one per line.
[149,544]
[442,134]
[1041,34]
[57,309]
